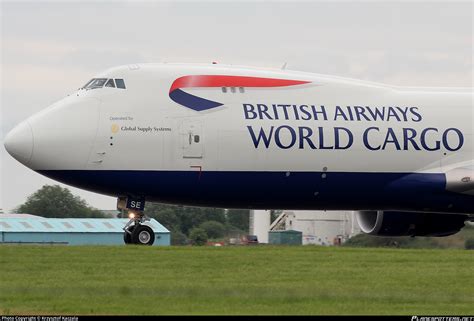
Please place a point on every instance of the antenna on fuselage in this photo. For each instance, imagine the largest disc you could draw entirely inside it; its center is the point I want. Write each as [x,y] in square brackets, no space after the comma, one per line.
[284,66]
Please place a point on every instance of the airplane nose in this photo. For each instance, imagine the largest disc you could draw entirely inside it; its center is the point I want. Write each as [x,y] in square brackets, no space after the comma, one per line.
[19,142]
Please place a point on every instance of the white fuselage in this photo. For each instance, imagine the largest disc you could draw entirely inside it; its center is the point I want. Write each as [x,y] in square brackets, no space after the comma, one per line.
[240,137]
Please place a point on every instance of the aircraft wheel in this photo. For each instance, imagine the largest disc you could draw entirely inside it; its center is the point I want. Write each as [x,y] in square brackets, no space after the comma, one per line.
[127,237]
[143,235]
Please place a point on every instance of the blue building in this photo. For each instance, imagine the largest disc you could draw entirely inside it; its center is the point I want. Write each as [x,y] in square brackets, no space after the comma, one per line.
[24,228]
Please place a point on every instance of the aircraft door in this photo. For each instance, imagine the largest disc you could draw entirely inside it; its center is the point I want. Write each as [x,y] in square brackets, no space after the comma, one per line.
[192,139]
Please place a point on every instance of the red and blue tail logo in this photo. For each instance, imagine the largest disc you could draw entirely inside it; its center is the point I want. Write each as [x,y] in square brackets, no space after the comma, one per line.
[208,81]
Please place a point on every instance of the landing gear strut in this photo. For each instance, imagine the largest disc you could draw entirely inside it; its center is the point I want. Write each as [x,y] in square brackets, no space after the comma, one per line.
[135,232]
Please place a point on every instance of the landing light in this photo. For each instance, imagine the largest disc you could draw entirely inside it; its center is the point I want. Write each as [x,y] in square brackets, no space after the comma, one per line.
[131,215]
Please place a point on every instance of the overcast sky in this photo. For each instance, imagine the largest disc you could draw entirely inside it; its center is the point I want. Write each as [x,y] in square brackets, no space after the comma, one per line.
[51,48]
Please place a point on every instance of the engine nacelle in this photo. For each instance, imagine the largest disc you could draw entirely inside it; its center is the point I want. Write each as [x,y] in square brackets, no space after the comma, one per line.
[388,223]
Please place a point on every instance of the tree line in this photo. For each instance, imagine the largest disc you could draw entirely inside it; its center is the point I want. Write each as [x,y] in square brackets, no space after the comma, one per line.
[198,223]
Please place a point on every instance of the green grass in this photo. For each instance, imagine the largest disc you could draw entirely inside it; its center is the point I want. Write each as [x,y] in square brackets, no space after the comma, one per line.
[234,280]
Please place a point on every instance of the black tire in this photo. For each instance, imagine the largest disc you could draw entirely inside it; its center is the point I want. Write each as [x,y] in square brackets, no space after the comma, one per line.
[143,235]
[127,237]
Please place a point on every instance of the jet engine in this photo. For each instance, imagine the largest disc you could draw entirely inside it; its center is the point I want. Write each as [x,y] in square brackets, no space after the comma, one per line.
[389,223]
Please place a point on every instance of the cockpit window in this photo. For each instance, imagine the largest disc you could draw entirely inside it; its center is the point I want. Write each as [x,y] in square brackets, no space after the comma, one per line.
[110,83]
[120,83]
[95,83]
[88,83]
[101,82]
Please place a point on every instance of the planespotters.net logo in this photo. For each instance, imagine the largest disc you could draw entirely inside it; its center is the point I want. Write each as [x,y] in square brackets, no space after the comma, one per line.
[433,318]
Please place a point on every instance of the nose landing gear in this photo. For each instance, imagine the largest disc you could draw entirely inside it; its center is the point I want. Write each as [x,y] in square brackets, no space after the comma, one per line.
[135,231]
